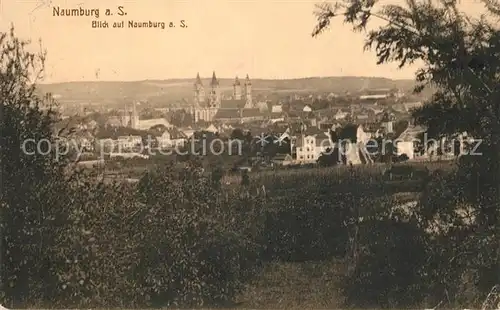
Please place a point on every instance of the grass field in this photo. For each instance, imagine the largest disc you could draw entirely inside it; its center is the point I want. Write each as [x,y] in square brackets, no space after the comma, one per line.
[308,285]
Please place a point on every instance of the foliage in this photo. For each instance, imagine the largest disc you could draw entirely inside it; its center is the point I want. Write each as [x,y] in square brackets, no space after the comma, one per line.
[181,118]
[388,269]
[460,59]
[201,246]
[29,204]
[237,134]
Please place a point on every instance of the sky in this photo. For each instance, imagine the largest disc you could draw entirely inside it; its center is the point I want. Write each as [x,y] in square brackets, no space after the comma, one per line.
[262,38]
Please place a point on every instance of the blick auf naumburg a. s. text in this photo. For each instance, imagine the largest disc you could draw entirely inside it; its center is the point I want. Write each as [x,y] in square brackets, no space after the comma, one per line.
[113,12]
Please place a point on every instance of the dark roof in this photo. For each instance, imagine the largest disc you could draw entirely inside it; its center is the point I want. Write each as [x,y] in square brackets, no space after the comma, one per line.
[227,114]
[175,133]
[297,105]
[254,112]
[313,131]
[232,104]
[282,157]
[276,115]
[371,127]
[115,132]
[323,140]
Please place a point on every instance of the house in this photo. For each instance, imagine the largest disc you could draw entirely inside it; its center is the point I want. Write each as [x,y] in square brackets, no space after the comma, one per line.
[128,142]
[362,117]
[188,132]
[340,115]
[171,137]
[373,97]
[408,140]
[212,129]
[331,96]
[276,108]
[114,121]
[262,106]
[353,141]
[285,135]
[310,147]
[282,159]
[409,106]
[106,145]
[148,124]
[177,137]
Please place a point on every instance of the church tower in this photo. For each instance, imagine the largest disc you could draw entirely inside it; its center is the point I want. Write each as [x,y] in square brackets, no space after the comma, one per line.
[248,93]
[215,96]
[199,91]
[126,117]
[237,89]
[134,120]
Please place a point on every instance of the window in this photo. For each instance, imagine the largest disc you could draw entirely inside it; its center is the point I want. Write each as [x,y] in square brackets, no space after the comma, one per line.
[301,157]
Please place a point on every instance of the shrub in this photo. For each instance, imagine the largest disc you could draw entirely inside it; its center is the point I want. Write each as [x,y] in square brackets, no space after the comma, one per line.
[387,272]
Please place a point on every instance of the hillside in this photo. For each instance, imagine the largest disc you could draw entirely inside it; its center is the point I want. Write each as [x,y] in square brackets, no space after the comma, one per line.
[157,91]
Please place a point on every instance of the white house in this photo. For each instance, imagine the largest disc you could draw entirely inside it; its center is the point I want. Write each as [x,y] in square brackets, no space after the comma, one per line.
[171,138]
[188,132]
[147,124]
[164,140]
[307,108]
[310,147]
[406,142]
[373,97]
[340,115]
[362,135]
[355,151]
[276,108]
[127,142]
[212,129]
[106,145]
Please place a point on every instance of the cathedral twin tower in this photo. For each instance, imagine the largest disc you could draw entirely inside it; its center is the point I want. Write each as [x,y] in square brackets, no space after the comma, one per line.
[214,98]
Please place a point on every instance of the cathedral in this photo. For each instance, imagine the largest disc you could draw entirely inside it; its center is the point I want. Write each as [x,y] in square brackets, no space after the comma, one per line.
[215,107]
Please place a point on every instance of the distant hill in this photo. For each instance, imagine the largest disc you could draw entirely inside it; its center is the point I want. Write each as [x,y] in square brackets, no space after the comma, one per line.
[177,89]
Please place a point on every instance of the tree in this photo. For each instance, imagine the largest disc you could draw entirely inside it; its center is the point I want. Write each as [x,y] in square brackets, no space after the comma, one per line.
[32,206]
[330,157]
[237,133]
[461,59]
[181,118]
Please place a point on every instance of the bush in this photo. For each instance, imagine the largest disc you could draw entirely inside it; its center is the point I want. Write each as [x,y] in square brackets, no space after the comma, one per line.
[32,204]
[388,269]
[201,245]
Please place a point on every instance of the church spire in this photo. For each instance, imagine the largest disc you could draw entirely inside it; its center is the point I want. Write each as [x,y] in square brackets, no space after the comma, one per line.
[214,80]
[247,81]
[198,79]
[236,81]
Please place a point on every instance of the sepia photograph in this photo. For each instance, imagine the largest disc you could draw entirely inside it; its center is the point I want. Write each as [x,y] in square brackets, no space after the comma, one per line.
[250,154]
